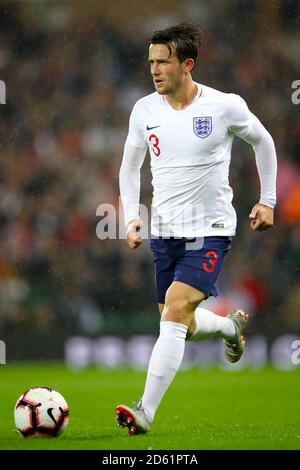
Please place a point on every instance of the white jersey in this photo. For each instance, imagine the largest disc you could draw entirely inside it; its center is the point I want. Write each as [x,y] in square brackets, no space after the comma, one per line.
[190,152]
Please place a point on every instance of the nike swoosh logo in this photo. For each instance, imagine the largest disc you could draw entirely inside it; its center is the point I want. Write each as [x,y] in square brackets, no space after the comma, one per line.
[153,127]
[49,411]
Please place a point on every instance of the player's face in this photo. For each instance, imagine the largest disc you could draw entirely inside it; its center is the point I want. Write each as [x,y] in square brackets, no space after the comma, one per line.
[166,70]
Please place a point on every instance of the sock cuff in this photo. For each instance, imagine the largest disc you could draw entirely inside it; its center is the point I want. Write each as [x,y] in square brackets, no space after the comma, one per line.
[172,328]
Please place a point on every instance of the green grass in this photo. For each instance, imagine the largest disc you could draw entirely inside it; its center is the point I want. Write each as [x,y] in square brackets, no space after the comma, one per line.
[202,410]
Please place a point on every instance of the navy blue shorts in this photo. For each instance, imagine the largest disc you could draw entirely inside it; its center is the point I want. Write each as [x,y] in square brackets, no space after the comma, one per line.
[196,262]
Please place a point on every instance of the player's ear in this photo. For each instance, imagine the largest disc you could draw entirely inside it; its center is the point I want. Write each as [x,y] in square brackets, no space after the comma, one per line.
[189,64]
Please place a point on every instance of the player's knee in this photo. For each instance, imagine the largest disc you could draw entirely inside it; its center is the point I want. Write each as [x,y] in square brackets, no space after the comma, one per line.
[179,310]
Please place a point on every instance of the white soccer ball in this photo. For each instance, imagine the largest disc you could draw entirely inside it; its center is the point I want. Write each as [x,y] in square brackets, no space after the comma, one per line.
[41,411]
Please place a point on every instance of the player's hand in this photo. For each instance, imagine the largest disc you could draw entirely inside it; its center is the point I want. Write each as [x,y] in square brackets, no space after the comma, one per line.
[261,217]
[133,236]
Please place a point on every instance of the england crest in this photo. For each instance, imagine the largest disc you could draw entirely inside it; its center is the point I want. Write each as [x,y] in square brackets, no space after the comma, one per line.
[202,126]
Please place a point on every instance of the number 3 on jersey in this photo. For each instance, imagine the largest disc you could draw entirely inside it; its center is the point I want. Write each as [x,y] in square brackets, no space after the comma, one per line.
[154,140]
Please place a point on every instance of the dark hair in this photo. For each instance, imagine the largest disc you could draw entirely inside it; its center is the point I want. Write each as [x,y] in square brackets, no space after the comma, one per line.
[186,38]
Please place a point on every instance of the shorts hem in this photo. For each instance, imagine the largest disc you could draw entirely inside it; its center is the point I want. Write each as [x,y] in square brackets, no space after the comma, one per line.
[204,291]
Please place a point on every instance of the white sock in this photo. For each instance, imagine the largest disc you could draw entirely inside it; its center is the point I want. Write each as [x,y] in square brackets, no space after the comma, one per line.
[209,324]
[165,361]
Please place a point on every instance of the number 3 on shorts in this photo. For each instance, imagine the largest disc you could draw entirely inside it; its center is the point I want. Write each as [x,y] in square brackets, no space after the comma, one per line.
[209,267]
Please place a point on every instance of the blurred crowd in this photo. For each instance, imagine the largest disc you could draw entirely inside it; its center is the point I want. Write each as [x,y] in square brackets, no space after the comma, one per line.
[71,82]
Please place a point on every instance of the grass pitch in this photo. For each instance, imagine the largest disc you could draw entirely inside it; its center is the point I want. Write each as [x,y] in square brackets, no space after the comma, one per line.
[202,409]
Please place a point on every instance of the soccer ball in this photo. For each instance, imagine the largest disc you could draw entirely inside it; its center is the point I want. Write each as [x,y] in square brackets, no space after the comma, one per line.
[41,411]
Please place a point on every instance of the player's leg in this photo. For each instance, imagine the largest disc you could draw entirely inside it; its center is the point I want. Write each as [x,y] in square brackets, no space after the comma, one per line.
[200,268]
[180,303]
[206,324]
[135,419]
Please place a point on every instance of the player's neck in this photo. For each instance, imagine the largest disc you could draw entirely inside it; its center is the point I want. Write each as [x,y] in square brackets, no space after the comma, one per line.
[184,96]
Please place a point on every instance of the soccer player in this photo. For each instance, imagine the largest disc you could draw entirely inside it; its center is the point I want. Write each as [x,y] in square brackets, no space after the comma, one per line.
[188,128]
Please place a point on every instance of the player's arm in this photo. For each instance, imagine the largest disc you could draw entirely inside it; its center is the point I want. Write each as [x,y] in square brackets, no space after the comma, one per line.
[129,180]
[261,216]
[246,126]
